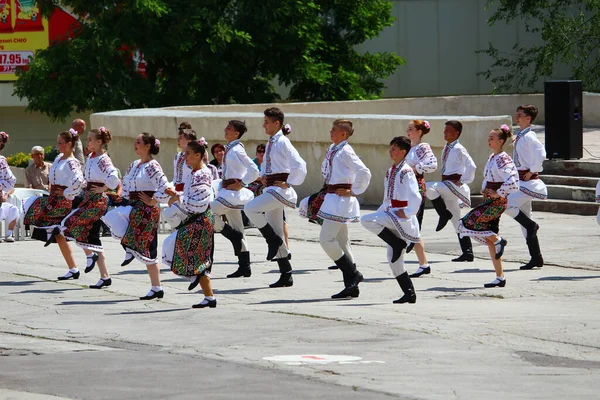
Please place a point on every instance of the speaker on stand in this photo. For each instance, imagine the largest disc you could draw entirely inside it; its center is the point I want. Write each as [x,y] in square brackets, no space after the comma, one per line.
[563,101]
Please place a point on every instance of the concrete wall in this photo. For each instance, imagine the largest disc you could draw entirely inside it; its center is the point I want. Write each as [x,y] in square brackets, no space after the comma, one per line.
[310,136]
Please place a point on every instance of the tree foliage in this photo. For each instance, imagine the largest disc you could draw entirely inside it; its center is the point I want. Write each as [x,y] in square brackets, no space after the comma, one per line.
[570,36]
[208,52]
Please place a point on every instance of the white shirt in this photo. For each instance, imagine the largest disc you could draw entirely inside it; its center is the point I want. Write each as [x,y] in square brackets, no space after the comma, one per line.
[500,168]
[281,157]
[101,169]
[456,160]
[342,165]
[7,179]
[197,192]
[149,177]
[401,184]
[237,164]
[181,171]
[421,158]
[529,153]
[67,172]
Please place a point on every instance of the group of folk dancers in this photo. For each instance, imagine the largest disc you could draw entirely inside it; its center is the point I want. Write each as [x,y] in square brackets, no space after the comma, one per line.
[199,208]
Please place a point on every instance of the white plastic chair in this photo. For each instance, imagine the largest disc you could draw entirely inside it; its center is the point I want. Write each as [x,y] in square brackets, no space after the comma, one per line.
[17,198]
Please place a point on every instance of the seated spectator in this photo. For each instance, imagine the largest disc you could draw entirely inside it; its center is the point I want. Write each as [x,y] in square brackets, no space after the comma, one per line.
[260,153]
[36,174]
[218,151]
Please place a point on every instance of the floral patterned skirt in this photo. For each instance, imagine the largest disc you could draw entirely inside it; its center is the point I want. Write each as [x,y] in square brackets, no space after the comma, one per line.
[46,212]
[483,220]
[83,224]
[193,252]
[256,188]
[141,235]
[310,206]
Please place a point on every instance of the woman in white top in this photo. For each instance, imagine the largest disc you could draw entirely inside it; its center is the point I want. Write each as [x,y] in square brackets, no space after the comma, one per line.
[66,181]
[136,224]
[188,251]
[500,179]
[422,160]
[8,212]
[83,224]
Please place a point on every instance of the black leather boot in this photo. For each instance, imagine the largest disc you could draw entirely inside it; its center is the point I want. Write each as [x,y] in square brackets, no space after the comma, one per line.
[442,211]
[408,289]
[285,279]
[533,244]
[52,238]
[234,237]
[394,241]
[467,250]
[273,240]
[527,223]
[351,278]
[243,266]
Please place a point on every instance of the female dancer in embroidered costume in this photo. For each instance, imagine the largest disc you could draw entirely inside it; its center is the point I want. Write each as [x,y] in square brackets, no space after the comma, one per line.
[282,167]
[66,181]
[8,212]
[238,170]
[181,174]
[447,196]
[395,222]
[188,251]
[422,160]
[83,224]
[136,224]
[345,177]
[500,179]
[528,155]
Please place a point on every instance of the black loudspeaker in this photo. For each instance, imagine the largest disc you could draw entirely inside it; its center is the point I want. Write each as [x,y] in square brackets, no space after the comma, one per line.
[564,119]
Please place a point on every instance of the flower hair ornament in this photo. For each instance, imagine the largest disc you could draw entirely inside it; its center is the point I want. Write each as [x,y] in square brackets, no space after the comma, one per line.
[102,129]
[287,128]
[73,132]
[4,135]
[426,124]
[156,142]
[505,127]
[203,142]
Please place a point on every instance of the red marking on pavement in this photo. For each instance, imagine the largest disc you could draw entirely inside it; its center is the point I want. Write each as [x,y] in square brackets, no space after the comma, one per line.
[314,357]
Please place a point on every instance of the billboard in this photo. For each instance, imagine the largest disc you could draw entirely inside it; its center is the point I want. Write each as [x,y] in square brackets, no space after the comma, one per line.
[23,31]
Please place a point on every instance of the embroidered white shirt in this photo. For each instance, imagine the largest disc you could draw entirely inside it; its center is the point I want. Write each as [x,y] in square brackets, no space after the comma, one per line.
[149,177]
[197,192]
[67,172]
[500,168]
[282,157]
[101,169]
[422,159]
[528,153]
[237,164]
[342,165]
[7,179]
[401,184]
[456,160]
[181,171]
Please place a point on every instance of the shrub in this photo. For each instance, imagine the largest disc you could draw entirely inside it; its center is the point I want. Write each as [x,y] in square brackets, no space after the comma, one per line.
[18,160]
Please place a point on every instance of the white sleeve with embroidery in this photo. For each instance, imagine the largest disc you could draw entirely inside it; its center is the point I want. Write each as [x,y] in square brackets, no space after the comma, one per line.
[470,167]
[77,180]
[161,182]
[297,165]
[427,161]
[251,168]
[363,174]
[7,179]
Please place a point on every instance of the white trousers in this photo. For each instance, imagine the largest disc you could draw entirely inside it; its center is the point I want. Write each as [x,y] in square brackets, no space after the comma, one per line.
[375,223]
[9,213]
[335,241]
[519,201]
[234,218]
[437,189]
[168,249]
[266,209]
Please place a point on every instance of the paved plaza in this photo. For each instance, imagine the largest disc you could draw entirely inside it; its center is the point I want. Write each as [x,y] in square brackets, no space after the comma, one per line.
[536,338]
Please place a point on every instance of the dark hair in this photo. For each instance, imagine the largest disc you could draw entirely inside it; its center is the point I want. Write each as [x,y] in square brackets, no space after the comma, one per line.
[197,147]
[184,125]
[69,137]
[401,142]
[503,133]
[275,114]
[238,126]
[345,125]
[189,134]
[420,125]
[261,147]
[103,134]
[215,147]
[3,139]
[529,110]
[149,138]
[456,125]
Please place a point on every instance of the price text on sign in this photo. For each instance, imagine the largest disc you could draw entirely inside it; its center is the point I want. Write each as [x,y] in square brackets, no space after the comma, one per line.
[11,59]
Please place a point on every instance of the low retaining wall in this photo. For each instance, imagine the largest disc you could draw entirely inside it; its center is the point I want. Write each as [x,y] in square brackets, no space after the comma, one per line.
[310,136]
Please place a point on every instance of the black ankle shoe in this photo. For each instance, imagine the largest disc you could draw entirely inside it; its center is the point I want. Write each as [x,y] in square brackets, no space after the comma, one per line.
[91,267]
[245,272]
[52,238]
[410,246]
[465,257]
[533,263]
[501,251]
[284,281]
[423,271]
[194,283]
[333,267]
[443,221]
[127,261]
[154,295]
[407,298]
[495,283]
[349,292]
[105,282]
[210,304]
[74,275]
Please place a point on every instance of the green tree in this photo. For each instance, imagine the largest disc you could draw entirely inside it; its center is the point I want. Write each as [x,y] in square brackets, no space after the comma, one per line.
[208,52]
[570,36]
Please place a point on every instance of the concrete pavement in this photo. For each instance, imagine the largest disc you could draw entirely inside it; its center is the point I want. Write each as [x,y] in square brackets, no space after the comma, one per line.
[535,338]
